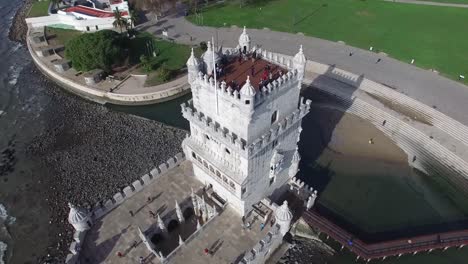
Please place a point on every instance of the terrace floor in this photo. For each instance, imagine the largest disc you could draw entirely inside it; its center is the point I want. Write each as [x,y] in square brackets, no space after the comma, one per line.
[236,72]
[118,230]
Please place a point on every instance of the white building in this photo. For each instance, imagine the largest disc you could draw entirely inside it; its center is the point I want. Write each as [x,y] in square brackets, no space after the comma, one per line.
[243,139]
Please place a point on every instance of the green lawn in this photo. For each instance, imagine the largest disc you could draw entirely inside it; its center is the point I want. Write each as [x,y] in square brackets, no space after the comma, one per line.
[436,37]
[39,8]
[62,36]
[172,55]
[448,1]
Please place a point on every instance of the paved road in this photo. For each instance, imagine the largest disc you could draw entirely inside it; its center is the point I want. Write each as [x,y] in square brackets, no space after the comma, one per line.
[417,2]
[447,96]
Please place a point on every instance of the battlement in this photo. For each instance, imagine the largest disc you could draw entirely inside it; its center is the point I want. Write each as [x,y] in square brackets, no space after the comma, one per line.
[280,128]
[223,134]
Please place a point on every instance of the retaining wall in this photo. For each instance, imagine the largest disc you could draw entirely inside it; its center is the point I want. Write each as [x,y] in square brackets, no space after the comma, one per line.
[103,97]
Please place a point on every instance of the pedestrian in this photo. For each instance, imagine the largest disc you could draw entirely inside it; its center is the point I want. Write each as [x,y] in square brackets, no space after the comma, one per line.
[141,259]
[131,213]
[378,60]
[272,222]
[350,54]
[384,122]
[119,254]
[252,70]
[134,245]
[248,225]
[206,251]
[262,225]
[152,214]
[149,199]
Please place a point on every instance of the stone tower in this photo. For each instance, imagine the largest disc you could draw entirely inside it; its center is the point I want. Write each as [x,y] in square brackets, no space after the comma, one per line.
[244,41]
[193,67]
[79,218]
[243,139]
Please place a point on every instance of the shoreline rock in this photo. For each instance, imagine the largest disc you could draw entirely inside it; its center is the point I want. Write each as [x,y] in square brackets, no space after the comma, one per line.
[18,28]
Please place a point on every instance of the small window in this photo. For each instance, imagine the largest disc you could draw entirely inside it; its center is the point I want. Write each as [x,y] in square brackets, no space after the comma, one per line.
[97,27]
[211,169]
[227,151]
[207,137]
[205,164]
[232,185]
[272,180]
[274,116]
[225,179]
[218,174]
[244,189]
[194,155]
[247,102]
[87,28]
[199,159]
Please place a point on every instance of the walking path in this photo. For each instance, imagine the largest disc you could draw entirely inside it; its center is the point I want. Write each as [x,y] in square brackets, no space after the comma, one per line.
[447,96]
[410,245]
[417,2]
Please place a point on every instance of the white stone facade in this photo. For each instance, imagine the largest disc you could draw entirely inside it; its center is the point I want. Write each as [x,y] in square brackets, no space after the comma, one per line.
[243,143]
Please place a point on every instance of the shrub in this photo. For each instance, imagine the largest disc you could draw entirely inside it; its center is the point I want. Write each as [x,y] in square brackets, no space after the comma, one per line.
[203,46]
[95,50]
[164,74]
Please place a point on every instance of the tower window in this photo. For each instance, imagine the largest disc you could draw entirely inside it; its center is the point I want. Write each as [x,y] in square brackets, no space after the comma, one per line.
[272,180]
[218,174]
[244,189]
[194,155]
[227,151]
[247,102]
[207,137]
[274,116]
[205,164]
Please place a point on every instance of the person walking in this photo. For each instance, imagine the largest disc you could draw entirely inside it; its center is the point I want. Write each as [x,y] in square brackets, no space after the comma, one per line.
[252,70]
[262,226]
[152,214]
[141,260]
[131,213]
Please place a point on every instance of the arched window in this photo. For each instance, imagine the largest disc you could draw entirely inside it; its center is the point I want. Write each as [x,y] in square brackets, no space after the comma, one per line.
[274,116]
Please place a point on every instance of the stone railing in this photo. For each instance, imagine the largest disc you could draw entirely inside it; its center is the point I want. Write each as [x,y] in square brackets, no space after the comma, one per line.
[102,209]
[264,248]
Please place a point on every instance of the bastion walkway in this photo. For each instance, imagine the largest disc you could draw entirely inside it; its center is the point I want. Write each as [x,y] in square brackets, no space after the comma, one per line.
[117,231]
[448,96]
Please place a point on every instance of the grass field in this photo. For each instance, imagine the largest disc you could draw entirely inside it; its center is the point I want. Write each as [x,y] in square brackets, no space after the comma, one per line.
[436,37]
[39,8]
[448,1]
[172,55]
[62,36]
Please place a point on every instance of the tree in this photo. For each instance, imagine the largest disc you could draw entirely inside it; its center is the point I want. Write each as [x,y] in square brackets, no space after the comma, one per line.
[119,20]
[133,18]
[99,50]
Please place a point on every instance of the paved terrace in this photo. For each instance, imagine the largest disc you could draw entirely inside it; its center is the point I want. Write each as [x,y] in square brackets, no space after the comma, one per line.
[118,230]
[409,245]
[448,96]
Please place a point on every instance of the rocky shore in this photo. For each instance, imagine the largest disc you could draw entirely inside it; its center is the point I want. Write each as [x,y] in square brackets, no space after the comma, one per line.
[65,149]
[18,26]
[91,153]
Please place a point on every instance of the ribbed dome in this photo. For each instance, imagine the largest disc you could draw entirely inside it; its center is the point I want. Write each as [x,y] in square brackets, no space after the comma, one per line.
[247,89]
[208,58]
[244,38]
[77,215]
[300,58]
[283,213]
[192,61]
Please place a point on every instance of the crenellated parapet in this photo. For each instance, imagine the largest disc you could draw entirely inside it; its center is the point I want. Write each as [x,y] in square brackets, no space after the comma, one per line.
[223,134]
[280,128]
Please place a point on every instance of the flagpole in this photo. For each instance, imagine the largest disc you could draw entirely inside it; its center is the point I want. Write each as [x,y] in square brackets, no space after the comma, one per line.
[214,73]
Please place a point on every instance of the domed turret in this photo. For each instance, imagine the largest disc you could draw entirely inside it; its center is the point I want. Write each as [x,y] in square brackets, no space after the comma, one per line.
[192,67]
[79,218]
[283,218]
[208,58]
[247,90]
[244,40]
[299,63]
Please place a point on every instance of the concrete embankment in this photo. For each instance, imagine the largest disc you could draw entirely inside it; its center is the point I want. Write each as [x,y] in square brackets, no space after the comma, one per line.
[156,94]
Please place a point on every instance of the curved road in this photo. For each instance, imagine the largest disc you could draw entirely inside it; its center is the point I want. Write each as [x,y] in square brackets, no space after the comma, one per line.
[449,97]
